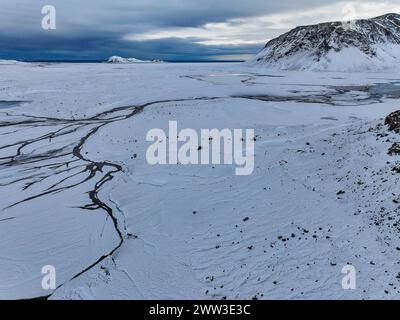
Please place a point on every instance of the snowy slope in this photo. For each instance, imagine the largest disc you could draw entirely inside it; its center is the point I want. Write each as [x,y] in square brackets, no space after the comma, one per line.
[359,45]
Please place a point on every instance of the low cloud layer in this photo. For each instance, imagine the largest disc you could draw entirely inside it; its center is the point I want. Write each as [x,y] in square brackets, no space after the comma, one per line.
[168,30]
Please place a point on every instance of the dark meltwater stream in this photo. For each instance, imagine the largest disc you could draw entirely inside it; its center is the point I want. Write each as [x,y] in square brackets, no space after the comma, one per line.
[56,152]
[9,104]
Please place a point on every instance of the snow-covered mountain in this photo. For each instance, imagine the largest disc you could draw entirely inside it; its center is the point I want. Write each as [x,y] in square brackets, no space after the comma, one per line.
[11,62]
[358,45]
[116,59]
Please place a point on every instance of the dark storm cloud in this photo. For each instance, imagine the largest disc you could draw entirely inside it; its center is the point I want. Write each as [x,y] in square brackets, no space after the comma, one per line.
[168,29]
[93,48]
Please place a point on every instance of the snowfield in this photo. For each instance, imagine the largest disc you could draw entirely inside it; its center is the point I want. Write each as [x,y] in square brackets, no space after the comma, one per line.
[78,194]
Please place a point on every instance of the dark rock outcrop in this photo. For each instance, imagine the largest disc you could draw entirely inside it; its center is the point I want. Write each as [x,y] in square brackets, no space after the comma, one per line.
[393,121]
[394,150]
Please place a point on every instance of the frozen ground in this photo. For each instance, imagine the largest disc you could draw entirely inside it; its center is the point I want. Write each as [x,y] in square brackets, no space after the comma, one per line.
[77,192]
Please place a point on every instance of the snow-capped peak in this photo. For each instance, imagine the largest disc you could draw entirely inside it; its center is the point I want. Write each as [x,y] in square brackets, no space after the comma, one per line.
[358,45]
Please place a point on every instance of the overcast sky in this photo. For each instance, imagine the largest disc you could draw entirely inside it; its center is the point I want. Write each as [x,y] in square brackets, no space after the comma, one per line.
[163,29]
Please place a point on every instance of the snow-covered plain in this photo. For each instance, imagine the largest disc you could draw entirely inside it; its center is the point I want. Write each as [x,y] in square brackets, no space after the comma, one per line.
[78,194]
